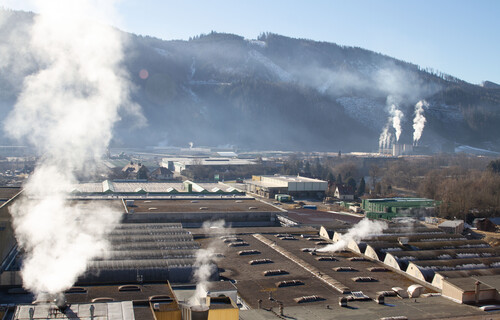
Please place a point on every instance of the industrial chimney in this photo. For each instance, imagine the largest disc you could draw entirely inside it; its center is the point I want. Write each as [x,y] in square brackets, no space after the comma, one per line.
[61,303]
[199,312]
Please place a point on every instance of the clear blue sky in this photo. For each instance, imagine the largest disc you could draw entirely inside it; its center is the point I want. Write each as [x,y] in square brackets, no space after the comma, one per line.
[457,37]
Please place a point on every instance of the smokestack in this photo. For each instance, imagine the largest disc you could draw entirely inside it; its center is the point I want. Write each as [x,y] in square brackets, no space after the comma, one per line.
[61,303]
[477,291]
[199,312]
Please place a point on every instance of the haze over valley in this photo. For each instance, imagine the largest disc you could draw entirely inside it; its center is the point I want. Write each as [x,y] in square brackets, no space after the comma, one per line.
[276,92]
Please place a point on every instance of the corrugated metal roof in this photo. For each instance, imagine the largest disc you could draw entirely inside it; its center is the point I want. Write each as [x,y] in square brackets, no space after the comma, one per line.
[156,245]
[457,264]
[469,273]
[104,311]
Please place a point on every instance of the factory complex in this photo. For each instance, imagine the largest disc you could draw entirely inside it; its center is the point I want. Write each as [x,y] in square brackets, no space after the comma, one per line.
[262,261]
[446,262]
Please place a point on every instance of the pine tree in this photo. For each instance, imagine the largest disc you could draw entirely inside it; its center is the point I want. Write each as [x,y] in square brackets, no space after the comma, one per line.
[361,187]
[352,183]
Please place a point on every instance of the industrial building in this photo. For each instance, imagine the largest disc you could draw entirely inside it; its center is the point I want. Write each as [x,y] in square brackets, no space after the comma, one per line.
[126,302]
[141,188]
[193,211]
[389,208]
[144,253]
[430,256]
[296,186]
[217,163]
[261,270]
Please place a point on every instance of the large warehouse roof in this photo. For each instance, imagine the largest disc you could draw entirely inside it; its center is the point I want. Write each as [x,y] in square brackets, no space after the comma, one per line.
[149,251]
[202,205]
[141,187]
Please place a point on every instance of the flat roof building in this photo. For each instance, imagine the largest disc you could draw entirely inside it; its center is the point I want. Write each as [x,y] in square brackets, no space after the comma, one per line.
[389,208]
[297,186]
[180,164]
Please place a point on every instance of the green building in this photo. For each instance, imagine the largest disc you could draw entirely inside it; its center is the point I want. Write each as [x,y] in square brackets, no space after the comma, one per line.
[389,208]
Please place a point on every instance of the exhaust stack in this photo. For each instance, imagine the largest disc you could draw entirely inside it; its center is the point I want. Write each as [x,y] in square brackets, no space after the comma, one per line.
[61,303]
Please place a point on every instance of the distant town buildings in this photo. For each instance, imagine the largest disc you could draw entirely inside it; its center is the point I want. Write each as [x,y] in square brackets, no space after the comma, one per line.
[344,192]
[216,163]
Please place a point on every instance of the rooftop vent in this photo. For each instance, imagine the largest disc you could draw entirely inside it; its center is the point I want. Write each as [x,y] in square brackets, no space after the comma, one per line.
[103,299]
[161,298]
[127,288]
[394,318]
[288,238]
[194,201]
[289,283]
[358,295]
[76,290]
[152,208]
[357,259]
[364,279]
[314,239]
[321,243]
[203,208]
[403,240]
[252,208]
[281,235]
[344,269]
[238,244]
[305,299]
[388,293]
[232,239]
[306,236]
[239,201]
[260,261]
[378,269]
[326,259]
[277,272]
[307,249]
[402,293]
[248,252]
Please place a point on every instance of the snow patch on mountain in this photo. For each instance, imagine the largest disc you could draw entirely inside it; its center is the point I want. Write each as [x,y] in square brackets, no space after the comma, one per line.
[367,111]
[163,52]
[258,43]
[270,65]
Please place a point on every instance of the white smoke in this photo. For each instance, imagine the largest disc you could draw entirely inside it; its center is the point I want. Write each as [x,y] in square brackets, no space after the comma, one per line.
[66,110]
[419,120]
[204,264]
[394,120]
[384,141]
[361,230]
[395,115]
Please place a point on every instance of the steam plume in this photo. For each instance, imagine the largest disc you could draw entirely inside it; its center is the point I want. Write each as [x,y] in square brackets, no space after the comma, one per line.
[396,115]
[204,262]
[361,230]
[67,111]
[385,138]
[419,120]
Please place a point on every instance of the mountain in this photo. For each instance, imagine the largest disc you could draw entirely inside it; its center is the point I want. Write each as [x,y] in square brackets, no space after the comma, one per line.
[277,92]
